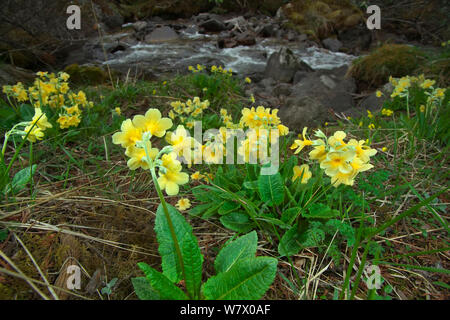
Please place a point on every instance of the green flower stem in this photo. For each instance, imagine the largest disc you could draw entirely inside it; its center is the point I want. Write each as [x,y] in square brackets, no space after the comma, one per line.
[407,104]
[166,211]
[31,169]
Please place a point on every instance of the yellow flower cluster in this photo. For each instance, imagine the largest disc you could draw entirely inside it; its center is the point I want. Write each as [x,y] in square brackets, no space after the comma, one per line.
[228,120]
[189,111]
[195,70]
[387,112]
[135,137]
[435,96]
[17,92]
[262,121]
[402,85]
[52,90]
[341,161]
[220,69]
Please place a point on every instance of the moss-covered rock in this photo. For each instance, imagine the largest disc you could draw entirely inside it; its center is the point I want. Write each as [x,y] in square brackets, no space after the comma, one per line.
[86,74]
[142,9]
[322,19]
[388,60]
[269,7]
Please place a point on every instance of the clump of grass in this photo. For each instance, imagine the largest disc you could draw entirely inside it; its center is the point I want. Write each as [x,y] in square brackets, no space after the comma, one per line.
[388,60]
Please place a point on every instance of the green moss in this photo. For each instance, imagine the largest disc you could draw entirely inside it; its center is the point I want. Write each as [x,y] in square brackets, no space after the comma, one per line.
[320,19]
[143,9]
[388,60]
[86,74]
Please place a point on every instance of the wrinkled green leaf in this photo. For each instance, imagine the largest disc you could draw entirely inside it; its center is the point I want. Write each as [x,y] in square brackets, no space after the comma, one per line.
[237,221]
[193,261]
[170,263]
[320,211]
[242,247]
[165,288]
[144,290]
[271,189]
[290,242]
[22,178]
[248,279]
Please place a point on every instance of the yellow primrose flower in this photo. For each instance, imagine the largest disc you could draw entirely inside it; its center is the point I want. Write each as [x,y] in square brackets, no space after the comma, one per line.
[369,114]
[427,84]
[180,140]
[64,87]
[40,119]
[303,172]
[172,179]
[337,161]
[439,93]
[248,80]
[384,149]
[183,204]
[342,178]
[300,144]
[68,121]
[213,153]
[337,140]
[34,133]
[252,98]
[80,98]
[118,111]
[196,176]
[283,130]
[64,76]
[319,152]
[128,136]
[378,93]
[73,109]
[138,158]
[152,122]
[371,126]
[190,124]
[363,152]
[169,161]
[359,165]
